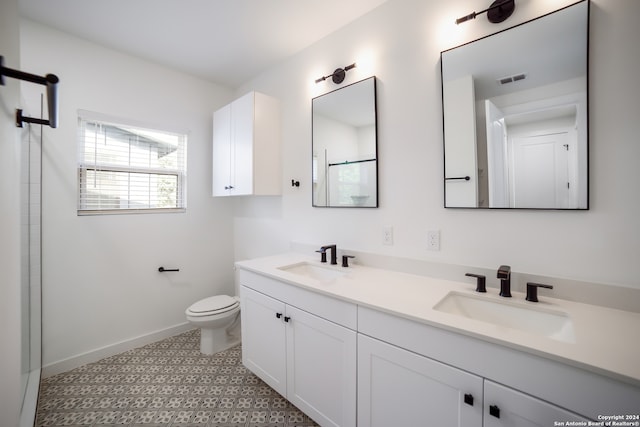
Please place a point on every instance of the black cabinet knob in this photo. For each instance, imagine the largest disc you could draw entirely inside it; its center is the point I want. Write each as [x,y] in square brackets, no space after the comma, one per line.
[468,399]
[278,315]
[494,410]
[287,318]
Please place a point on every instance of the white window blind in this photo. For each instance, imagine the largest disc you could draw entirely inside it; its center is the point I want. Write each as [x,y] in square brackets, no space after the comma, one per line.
[124,169]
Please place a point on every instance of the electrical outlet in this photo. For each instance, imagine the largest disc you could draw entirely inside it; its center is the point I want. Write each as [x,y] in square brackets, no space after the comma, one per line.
[433,240]
[387,235]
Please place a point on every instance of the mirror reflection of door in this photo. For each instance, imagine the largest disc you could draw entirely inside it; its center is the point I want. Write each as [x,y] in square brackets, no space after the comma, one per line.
[532,158]
[540,171]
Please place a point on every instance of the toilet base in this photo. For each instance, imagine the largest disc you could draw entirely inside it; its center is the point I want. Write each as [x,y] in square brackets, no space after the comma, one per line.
[214,340]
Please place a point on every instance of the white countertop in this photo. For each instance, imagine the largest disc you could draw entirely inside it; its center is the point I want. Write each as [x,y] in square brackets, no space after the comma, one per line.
[607,341]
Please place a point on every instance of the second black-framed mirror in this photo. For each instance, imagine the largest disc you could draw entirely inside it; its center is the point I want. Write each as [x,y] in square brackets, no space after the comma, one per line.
[515,116]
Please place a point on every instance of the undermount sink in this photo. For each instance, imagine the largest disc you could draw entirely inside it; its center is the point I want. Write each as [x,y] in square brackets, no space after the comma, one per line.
[312,271]
[552,324]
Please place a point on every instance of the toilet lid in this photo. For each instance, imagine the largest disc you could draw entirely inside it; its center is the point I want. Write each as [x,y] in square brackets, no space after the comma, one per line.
[212,304]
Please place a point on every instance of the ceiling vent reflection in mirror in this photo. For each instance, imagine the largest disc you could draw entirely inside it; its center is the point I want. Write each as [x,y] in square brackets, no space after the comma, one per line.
[511,79]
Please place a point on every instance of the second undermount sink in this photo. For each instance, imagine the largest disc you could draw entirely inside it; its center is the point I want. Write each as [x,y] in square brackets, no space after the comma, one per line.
[550,323]
[312,271]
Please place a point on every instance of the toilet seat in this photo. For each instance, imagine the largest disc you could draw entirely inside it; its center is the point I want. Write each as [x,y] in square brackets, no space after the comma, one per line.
[211,306]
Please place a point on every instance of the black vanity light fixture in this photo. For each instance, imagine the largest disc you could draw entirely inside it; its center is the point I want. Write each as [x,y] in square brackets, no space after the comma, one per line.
[338,75]
[50,81]
[499,11]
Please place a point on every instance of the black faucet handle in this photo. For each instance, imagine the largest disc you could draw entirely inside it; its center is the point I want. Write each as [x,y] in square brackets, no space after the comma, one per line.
[345,260]
[504,271]
[323,254]
[532,290]
[481,283]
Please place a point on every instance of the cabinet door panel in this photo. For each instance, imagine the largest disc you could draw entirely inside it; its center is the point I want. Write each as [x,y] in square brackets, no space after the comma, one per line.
[242,112]
[264,338]
[221,151]
[400,388]
[321,374]
[521,410]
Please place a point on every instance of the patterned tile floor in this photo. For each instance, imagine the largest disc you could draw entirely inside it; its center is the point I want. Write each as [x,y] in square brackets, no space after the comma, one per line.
[168,383]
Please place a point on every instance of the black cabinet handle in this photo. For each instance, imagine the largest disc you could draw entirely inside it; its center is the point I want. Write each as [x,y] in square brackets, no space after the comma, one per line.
[287,318]
[468,399]
[278,315]
[494,410]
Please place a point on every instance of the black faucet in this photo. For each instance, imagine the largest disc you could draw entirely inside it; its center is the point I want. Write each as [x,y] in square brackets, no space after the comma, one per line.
[323,253]
[504,274]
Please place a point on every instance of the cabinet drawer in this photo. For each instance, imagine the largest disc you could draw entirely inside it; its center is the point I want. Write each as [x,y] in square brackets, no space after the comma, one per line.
[334,310]
[577,390]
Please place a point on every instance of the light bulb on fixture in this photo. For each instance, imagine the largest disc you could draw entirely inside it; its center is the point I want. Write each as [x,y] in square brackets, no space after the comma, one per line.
[499,11]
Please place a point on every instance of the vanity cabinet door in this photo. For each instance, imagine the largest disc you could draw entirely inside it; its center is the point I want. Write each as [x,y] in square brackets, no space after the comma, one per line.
[264,338]
[505,407]
[321,368]
[400,388]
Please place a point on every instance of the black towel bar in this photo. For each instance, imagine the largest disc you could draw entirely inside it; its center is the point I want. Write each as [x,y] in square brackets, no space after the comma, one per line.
[162,269]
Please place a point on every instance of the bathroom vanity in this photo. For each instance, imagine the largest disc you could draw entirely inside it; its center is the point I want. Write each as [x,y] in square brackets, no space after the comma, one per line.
[370,347]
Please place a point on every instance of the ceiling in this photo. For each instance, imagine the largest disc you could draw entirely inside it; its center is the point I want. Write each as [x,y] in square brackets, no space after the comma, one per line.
[224,41]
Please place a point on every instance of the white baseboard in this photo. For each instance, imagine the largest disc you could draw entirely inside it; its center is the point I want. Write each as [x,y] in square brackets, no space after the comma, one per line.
[111,350]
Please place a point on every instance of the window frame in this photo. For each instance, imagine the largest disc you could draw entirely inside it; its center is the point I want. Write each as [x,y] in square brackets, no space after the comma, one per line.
[83,167]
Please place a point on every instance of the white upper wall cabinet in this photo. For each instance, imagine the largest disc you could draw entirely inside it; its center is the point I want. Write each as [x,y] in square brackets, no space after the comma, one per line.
[246,147]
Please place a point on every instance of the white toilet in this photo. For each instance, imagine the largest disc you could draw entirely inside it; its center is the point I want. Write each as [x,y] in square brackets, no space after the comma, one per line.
[218,318]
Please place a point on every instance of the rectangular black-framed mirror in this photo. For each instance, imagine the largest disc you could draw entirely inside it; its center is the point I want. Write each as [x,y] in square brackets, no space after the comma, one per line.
[515,116]
[344,147]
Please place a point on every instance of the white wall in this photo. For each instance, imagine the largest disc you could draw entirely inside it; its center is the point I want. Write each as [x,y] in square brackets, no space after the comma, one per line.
[10,390]
[100,280]
[401,42]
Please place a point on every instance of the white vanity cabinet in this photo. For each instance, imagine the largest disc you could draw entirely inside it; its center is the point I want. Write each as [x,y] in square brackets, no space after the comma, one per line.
[517,384]
[400,388]
[246,147]
[314,340]
[297,342]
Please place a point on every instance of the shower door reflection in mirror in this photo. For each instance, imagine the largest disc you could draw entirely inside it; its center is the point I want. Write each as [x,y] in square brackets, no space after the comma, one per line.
[345,164]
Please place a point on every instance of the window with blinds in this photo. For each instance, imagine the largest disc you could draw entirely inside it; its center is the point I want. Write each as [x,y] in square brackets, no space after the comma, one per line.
[129,169]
